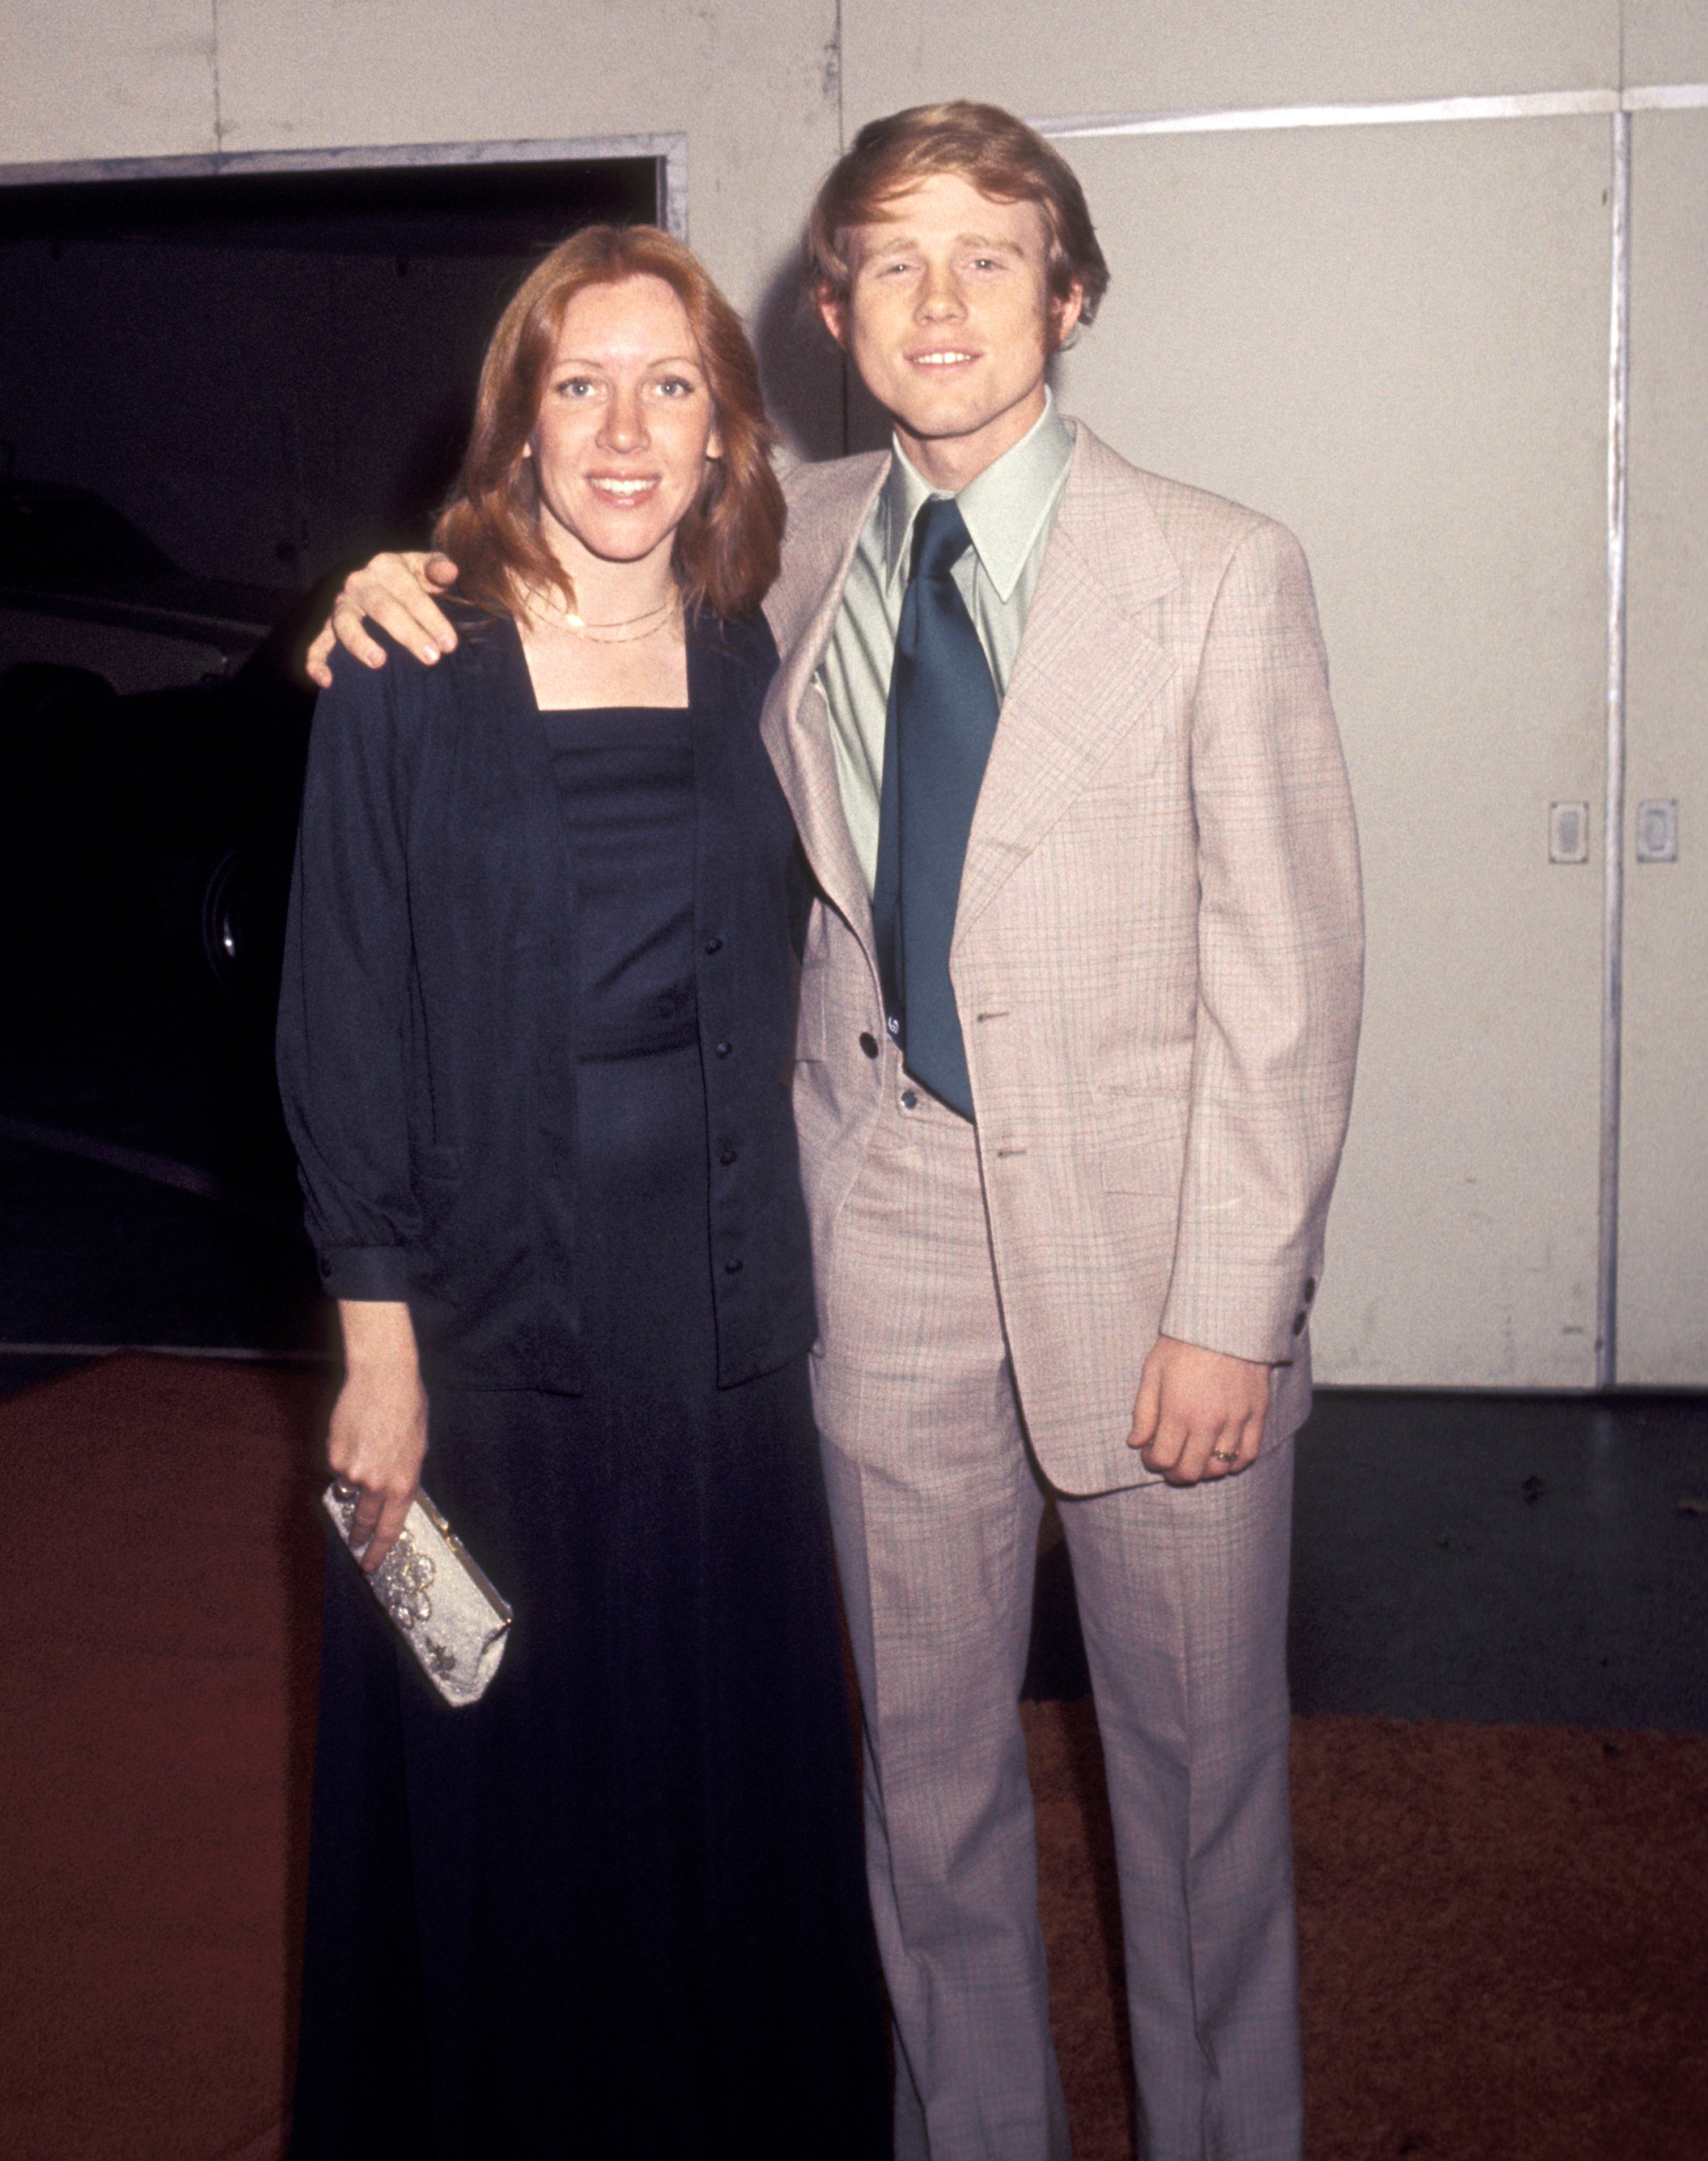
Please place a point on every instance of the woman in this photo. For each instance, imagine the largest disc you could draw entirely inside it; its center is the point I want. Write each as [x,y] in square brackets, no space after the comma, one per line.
[537,1005]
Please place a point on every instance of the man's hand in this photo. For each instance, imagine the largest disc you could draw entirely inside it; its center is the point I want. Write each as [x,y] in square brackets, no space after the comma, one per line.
[396,592]
[378,1435]
[1199,1413]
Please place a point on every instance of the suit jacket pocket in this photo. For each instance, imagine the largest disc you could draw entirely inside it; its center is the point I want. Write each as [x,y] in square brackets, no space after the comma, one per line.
[1149,1158]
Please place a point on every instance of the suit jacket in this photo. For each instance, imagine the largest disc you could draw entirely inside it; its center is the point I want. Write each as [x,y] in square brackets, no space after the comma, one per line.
[1158,951]
[427,1035]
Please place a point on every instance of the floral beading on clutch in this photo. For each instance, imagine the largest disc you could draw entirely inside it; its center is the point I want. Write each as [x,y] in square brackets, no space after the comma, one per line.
[436,1598]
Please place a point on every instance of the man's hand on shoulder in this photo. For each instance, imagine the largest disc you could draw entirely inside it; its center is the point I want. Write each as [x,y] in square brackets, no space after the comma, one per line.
[399,592]
[1199,1413]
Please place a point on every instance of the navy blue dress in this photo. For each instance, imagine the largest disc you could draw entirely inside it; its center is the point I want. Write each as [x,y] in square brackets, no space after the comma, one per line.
[617,1909]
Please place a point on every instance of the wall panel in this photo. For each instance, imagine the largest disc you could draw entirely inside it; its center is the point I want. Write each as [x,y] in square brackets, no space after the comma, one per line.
[1140,56]
[1663,1214]
[93,79]
[1394,339]
[1666,41]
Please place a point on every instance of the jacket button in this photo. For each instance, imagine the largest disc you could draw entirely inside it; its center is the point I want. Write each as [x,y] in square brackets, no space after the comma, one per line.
[732,1267]
[723,1049]
[726,1156]
[869,1042]
[1310,1289]
[1299,1323]
[714,944]
[910,1101]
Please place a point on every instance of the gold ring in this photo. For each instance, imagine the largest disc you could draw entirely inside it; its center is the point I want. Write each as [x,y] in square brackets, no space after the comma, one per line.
[1224,1456]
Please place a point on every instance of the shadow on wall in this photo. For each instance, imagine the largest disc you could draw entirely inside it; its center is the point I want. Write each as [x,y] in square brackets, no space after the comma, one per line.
[819,404]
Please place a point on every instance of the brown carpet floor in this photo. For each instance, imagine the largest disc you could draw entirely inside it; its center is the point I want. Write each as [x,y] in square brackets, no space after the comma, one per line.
[1504,1929]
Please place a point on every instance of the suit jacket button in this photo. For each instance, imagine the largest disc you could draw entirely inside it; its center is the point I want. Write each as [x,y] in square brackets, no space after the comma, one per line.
[732,1267]
[726,1156]
[1310,1289]
[1299,1323]
[723,1049]
[714,944]
[869,1042]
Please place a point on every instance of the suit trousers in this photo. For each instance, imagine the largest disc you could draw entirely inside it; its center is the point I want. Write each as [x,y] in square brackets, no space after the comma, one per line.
[935,1505]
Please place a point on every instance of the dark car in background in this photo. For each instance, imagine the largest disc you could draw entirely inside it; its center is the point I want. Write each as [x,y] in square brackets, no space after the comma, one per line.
[154,726]
[80,586]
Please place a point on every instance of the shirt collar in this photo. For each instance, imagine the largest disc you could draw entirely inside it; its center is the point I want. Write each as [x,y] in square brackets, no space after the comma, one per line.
[1004,508]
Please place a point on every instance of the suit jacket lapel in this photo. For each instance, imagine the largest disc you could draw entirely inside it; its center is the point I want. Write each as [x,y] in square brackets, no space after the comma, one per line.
[1086,671]
[796,723]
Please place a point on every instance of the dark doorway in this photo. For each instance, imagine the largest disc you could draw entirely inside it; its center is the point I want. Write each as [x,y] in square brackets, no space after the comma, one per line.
[268,373]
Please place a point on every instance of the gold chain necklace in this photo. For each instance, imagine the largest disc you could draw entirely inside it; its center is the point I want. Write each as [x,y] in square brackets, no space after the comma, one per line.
[625,633]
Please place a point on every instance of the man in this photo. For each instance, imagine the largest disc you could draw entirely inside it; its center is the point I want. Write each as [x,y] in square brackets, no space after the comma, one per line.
[1078,1008]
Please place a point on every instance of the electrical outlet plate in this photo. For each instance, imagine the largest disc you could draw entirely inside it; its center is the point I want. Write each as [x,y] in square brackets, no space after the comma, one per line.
[1568,832]
[1657,830]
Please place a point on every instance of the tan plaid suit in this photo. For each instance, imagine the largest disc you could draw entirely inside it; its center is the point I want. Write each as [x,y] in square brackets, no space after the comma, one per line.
[1157,964]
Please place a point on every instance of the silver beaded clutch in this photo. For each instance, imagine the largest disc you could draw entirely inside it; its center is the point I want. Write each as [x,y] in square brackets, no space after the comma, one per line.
[438,1601]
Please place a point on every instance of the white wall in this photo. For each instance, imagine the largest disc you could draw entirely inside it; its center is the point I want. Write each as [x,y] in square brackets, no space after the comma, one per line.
[1044,59]
[1348,328]
[1663,1216]
[1394,338]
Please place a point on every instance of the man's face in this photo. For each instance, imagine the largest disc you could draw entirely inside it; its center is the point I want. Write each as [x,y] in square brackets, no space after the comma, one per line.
[950,320]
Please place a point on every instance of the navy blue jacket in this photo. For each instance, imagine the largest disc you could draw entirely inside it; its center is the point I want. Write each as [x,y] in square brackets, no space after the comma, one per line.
[426,1049]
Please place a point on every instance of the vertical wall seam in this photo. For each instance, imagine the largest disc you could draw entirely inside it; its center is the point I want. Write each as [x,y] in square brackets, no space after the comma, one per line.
[1613,818]
[219,114]
[673,187]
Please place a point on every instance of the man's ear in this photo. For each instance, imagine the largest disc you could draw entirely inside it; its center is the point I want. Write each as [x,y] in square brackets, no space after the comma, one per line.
[833,314]
[1064,315]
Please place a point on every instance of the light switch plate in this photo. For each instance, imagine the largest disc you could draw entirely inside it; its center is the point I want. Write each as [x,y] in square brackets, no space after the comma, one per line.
[1568,832]
[1657,830]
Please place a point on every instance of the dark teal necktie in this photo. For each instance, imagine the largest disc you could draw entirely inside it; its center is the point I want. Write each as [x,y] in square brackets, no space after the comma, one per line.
[937,741]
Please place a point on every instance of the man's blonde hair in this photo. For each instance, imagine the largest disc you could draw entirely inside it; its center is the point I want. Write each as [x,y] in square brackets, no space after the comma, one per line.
[993,152]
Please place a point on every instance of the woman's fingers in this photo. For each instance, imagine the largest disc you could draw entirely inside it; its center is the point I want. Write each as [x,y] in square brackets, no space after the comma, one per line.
[380,1512]
[390,1513]
[378,1434]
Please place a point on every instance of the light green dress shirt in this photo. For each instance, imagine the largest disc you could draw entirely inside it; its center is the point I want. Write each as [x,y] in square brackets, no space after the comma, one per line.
[1008,511]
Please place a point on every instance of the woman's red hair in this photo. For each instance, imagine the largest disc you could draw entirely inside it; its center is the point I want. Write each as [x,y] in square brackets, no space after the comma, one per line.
[727,547]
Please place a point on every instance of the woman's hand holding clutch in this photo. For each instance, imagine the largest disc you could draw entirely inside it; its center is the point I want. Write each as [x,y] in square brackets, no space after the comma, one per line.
[378,1435]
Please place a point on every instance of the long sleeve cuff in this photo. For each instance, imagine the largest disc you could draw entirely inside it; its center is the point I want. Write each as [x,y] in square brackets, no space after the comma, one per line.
[1261,1319]
[365,1272]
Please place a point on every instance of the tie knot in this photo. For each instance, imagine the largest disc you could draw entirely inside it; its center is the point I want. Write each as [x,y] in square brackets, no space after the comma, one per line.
[941,538]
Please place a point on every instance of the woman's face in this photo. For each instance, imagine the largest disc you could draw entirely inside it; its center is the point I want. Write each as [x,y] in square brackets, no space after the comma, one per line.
[626,428]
